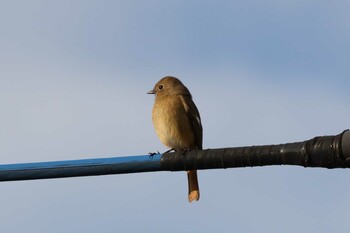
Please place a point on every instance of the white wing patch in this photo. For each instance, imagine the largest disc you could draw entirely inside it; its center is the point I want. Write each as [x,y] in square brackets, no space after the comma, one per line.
[187,108]
[198,120]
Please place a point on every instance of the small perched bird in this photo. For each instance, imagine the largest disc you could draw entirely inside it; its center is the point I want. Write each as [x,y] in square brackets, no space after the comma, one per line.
[177,122]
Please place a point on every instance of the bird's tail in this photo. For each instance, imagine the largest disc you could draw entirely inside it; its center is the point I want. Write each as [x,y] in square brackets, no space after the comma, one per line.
[193,188]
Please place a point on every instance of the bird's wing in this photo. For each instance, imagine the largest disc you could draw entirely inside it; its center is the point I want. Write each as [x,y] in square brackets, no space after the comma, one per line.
[194,118]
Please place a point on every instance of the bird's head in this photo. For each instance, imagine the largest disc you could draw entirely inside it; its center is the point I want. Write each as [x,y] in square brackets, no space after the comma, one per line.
[169,86]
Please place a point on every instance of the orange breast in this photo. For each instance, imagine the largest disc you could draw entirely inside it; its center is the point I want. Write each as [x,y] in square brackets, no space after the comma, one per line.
[172,124]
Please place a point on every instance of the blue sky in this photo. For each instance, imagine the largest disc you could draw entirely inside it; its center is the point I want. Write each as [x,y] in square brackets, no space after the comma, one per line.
[73,83]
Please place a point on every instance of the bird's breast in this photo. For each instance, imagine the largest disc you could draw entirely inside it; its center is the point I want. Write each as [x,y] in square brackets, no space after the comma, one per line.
[172,124]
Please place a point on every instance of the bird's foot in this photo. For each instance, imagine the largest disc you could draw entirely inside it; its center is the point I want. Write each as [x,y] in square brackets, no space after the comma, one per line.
[172,149]
[151,154]
[183,152]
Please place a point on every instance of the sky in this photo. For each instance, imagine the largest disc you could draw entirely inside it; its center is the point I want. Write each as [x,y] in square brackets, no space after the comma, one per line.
[73,83]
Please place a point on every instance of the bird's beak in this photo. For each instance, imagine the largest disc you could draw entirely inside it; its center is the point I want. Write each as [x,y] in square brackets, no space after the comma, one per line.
[151,92]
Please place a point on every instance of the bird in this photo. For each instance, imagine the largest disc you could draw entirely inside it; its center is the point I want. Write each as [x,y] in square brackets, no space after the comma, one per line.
[177,123]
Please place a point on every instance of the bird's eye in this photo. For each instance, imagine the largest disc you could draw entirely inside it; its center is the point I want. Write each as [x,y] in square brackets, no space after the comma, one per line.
[160,87]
